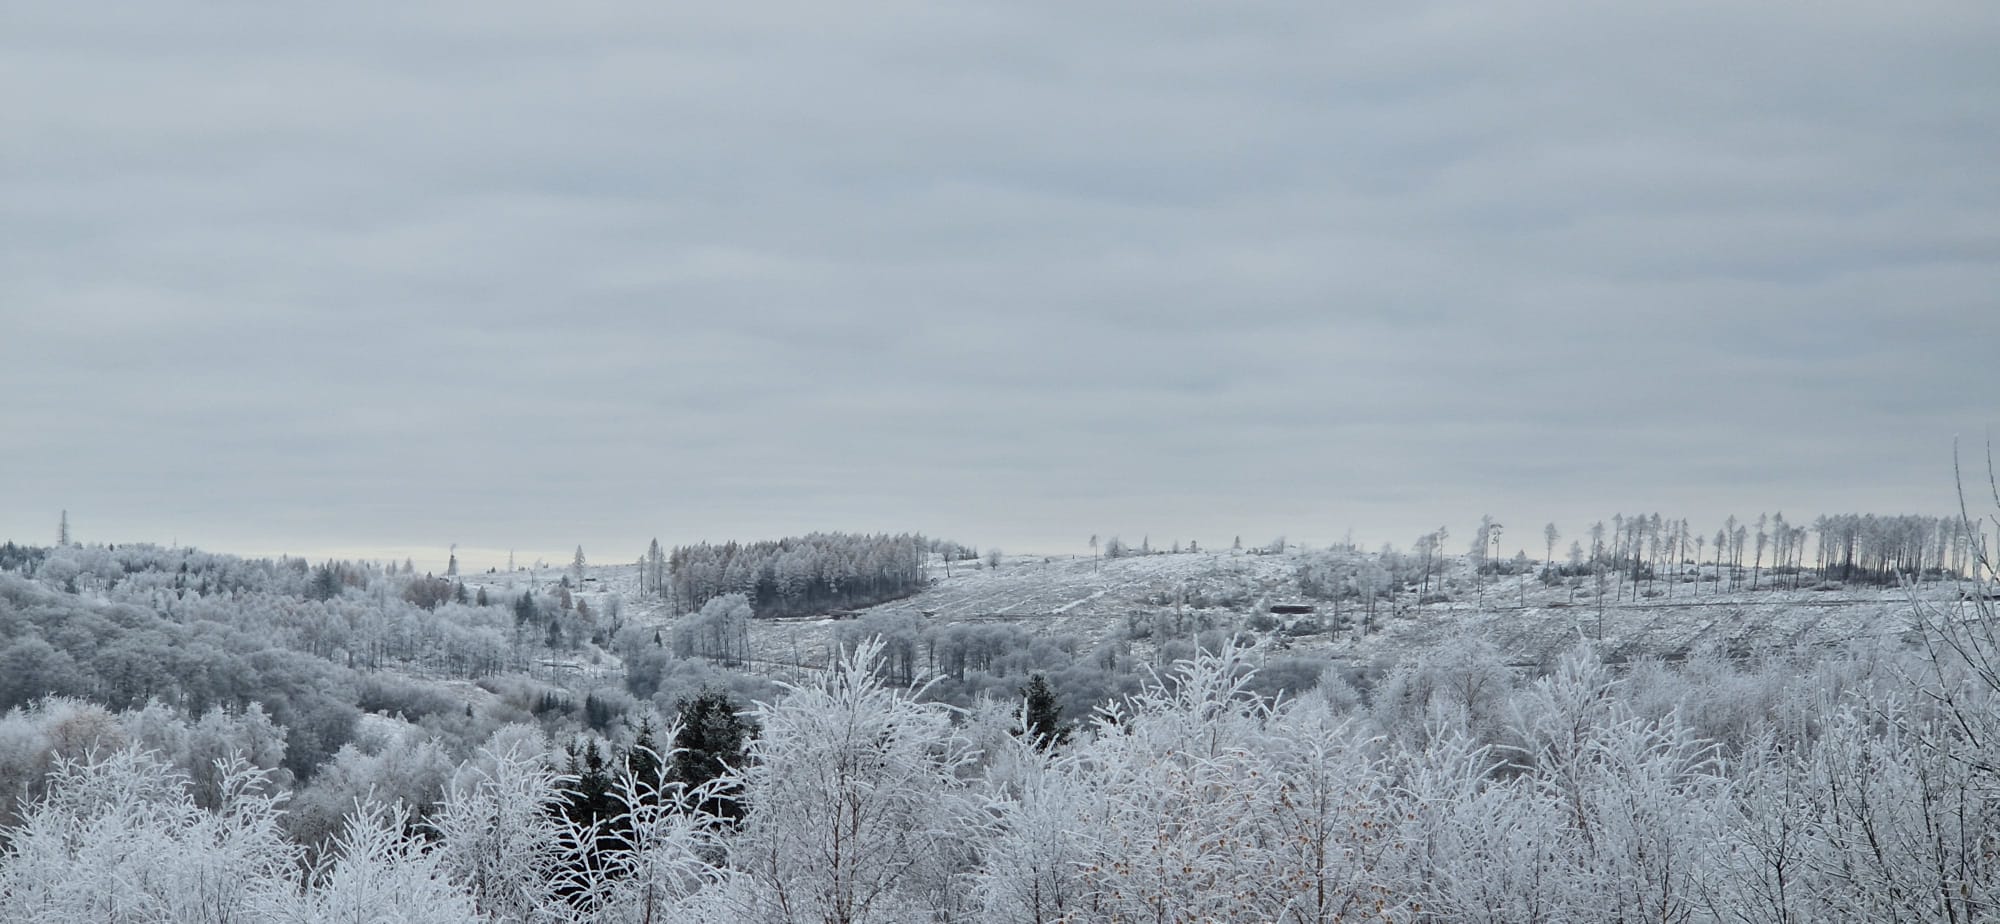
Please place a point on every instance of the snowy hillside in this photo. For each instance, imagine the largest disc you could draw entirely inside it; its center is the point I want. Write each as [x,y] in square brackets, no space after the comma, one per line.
[1143,600]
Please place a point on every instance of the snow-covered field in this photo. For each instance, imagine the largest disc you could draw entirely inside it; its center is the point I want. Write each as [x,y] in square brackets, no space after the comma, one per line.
[1531,624]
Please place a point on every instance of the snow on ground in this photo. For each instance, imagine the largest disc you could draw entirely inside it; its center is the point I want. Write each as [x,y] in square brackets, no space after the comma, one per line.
[1739,623]
[1098,599]
[1530,623]
[1078,586]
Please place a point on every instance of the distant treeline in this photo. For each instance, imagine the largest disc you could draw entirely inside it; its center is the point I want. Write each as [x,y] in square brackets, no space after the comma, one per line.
[1849,547]
[1868,547]
[801,576]
[1864,548]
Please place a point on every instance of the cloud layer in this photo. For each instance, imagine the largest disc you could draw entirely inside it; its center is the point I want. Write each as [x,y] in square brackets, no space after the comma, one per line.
[303,278]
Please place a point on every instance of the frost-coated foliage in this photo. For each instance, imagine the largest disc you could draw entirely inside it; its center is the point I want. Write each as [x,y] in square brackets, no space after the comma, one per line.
[1864,791]
[858,812]
[500,827]
[381,877]
[1185,790]
[650,862]
[120,839]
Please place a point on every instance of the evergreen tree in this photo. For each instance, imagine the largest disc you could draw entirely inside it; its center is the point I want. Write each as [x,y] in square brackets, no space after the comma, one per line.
[1043,714]
[642,760]
[588,799]
[711,740]
[325,583]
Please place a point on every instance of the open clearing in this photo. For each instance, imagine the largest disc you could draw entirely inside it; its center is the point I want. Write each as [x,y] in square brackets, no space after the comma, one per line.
[1095,601]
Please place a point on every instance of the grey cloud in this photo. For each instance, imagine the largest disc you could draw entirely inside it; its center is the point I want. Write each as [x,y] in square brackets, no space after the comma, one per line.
[511,274]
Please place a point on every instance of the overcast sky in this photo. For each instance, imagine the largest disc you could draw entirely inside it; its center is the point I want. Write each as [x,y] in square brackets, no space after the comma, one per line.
[373,279]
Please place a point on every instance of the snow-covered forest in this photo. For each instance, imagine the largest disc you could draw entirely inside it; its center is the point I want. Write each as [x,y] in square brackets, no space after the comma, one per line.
[200,737]
[810,574]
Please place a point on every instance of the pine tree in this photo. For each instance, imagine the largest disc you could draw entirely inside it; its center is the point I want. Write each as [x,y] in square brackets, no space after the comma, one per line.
[643,759]
[710,742]
[587,799]
[62,530]
[1043,714]
[325,583]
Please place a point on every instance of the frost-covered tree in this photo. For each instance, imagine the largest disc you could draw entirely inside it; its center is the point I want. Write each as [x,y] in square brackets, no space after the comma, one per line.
[120,839]
[1329,837]
[377,874]
[651,856]
[1191,748]
[720,632]
[709,742]
[1482,848]
[653,571]
[1640,798]
[1035,866]
[1041,714]
[858,812]
[1461,683]
[499,826]
[410,772]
